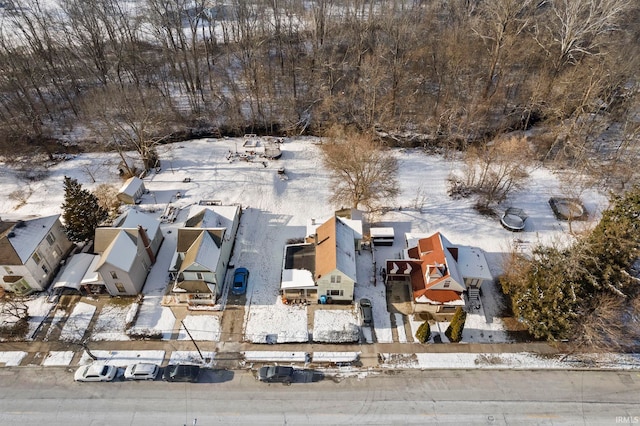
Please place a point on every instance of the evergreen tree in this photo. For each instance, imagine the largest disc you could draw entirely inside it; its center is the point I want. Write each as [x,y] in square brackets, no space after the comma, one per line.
[80,211]
[454,331]
[424,332]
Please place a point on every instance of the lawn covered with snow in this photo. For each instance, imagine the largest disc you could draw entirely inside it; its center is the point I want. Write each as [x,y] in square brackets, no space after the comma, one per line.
[58,358]
[111,322]
[335,326]
[276,210]
[77,323]
[201,327]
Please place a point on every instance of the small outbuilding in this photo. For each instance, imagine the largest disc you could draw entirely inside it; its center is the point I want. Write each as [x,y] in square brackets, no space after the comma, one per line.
[382,236]
[131,191]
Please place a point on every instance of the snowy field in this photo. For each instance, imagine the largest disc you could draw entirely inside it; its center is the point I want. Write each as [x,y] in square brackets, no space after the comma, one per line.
[55,358]
[111,323]
[77,323]
[335,326]
[276,210]
[201,327]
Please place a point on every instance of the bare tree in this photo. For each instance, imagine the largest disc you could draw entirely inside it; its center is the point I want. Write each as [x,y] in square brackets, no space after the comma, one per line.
[493,170]
[362,173]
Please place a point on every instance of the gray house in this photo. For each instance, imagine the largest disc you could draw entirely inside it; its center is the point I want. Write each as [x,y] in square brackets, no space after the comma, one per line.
[127,250]
[202,254]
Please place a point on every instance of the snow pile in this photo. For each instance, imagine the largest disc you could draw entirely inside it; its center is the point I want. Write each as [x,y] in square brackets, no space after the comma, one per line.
[111,323]
[277,323]
[336,357]
[201,327]
[123,358]
[335,326]
[12,358]
[76,325]
[192,357]
[58,358]
[275,356]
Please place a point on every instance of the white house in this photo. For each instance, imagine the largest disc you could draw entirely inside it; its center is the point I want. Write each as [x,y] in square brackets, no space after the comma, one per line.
[31,250]
[127,250]
[324,267]
[131,191]
[202,254]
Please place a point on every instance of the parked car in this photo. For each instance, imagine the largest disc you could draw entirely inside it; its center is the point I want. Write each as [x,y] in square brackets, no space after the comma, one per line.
[141,371]
[366,311]
[276,374]
[240,279]
[95,373]
[181,373]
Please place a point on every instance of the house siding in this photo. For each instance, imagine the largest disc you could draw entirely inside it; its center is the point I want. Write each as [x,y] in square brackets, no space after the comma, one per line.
[346,285]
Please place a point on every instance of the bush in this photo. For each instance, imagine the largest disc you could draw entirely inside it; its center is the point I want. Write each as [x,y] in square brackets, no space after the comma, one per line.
[424,332]
[454,331]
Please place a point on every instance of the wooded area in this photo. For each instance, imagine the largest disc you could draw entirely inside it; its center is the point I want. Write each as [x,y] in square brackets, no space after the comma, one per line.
[445,73]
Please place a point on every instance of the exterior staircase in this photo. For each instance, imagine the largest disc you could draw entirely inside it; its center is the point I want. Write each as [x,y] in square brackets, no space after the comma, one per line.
[473,301]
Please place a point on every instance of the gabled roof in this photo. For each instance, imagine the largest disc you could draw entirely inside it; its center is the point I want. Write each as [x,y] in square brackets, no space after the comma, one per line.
[204,252]
[134,218]
[439,260]
[121,252]
[21,238]
[335,249]
[131,186]
[212,217]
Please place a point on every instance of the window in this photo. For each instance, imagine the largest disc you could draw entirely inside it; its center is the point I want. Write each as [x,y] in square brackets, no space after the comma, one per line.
[199,275]
[336,279]
[335,292]
[114,275]
[45,269]
[446,284]
[51,239]
[9,270]
[36,257]
[120,287]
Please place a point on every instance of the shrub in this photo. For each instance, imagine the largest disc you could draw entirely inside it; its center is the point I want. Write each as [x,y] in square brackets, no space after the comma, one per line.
[454,331]
[424,332]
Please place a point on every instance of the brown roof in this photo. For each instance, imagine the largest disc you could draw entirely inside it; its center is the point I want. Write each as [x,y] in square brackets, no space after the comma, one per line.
[440,296]
[326,249]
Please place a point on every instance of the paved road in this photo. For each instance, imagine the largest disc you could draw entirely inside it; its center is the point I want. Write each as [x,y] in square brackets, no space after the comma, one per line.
[39,396]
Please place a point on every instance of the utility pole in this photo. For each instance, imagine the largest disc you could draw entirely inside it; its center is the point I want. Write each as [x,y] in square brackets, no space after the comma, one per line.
[194,342]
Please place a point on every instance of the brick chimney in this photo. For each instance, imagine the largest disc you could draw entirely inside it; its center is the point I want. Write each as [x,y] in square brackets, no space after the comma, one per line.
[147,243]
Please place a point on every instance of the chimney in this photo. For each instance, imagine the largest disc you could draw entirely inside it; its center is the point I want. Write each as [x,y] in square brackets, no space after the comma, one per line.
[147,243]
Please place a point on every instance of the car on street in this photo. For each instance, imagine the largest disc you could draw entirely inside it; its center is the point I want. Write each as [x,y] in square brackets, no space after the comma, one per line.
[366,311]
[181,373]
[276,374]
[95,373]
[141,371]
[240,279]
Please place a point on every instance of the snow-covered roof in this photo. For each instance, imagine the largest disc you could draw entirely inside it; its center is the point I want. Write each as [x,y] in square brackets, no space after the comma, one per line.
[211,217]
[355,225]
[345,250]
[75,270]
[134,218]
[381,232]
[204,251]
[92,276]
[29,233]
[131,186]
[473,264]
[120,253]
[297,278]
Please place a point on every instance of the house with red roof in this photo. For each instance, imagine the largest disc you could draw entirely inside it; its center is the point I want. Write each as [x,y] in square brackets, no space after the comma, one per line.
[439,274]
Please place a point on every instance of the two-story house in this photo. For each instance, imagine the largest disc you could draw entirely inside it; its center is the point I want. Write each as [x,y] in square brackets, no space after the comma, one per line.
[31,250]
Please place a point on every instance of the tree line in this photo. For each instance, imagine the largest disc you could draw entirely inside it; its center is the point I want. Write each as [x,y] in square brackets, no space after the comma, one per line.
[443,72]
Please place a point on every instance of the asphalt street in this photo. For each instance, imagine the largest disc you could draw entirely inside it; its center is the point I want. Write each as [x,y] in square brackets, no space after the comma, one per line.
[49,396]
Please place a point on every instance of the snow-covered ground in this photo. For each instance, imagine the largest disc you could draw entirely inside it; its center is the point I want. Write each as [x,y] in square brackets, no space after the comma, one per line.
[77,323]
[335,326]
[123,358]
[58,358]
[201,327]
[111,323]
[277,210]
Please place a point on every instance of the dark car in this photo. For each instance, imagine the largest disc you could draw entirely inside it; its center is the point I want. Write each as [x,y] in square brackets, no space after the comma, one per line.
[240,279]
[181,373]
[366,311]
[276,374]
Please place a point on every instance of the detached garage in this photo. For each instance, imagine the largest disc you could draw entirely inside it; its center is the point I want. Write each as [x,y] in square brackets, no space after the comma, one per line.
[131,191]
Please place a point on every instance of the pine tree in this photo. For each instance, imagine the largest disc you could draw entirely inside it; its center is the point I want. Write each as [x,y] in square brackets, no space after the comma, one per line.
[424,332]
[454,331]
[80,211]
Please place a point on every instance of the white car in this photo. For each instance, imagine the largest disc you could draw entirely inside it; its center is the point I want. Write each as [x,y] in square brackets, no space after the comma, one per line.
[96,373]
[141,371]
